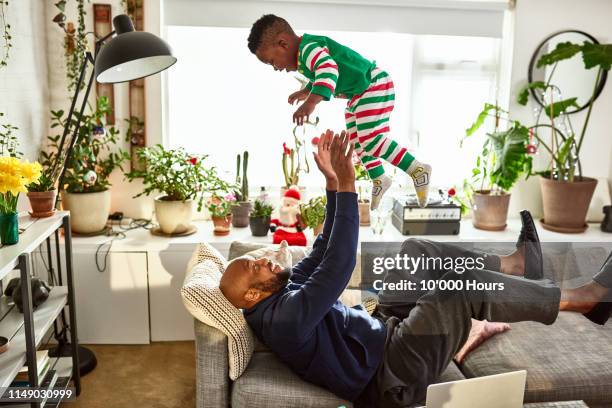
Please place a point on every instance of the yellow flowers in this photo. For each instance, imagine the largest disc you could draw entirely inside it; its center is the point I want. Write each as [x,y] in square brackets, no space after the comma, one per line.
[16,174]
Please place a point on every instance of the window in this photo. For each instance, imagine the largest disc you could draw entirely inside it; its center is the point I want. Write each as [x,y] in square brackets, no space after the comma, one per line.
[221,100]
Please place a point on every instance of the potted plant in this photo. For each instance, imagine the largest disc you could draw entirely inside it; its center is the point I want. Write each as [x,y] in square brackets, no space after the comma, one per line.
[363,186]
[15,175]
[566,193]
[242,206]
[312,214]
[181,178]
[295,160]
[94,157]
[505,156]
[259,218]
[220,209]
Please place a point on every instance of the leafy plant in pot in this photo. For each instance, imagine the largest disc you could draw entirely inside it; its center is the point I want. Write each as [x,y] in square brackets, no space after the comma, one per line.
[295,159]
[503,159]
[181,178]
[566,193]
[363,189]
[259,218]
[94,157]
[220,209]
[242,206]
[312,214]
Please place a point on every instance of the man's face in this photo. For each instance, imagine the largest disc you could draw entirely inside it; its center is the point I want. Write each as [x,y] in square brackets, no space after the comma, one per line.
[247,281]
[278,54]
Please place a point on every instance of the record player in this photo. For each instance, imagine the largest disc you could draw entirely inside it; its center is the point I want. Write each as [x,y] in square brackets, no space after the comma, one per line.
[440,217]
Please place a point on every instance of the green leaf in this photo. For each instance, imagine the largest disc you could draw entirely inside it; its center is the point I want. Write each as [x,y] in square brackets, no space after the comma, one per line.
[597,55]
[562,52]
[482,116]
[560,107]
[565,150]
[523,96]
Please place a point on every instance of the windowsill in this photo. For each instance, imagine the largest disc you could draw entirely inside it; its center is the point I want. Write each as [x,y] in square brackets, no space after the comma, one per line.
[141,240]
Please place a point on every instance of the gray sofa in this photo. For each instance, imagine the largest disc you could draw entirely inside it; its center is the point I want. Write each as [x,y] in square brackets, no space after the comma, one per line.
[569,360]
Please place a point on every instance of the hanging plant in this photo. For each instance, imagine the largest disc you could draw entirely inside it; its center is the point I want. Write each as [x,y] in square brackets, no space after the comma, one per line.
[75,42]
[6,33]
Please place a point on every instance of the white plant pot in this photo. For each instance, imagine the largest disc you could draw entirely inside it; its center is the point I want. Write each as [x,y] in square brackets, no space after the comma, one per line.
[174,217]
[88,211]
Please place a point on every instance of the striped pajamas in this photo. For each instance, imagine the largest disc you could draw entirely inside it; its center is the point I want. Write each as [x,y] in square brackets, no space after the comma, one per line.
[367,122]
[333,69]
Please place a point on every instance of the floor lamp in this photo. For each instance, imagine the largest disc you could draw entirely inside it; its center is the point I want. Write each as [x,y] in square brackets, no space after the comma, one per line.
[121,56]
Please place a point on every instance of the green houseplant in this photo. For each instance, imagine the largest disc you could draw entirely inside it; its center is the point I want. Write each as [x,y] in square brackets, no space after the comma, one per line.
[259,218]
[503,159]
[87,177]
[242,206]
[363,190]
[566,193]
[312,213]
[181,178]
[220,209]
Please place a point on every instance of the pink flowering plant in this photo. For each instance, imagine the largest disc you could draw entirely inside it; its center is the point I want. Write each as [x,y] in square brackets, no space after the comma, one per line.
[221,206]
[180,176]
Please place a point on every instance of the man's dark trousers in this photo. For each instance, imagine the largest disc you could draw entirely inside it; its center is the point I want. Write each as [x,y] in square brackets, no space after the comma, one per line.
[424,336]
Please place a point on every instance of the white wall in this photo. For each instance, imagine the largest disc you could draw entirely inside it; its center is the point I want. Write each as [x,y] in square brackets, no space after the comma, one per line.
[24,95]
[535,20]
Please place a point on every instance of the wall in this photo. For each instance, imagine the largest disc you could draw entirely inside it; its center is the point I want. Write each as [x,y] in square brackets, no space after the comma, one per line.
[535,20]
[24,94]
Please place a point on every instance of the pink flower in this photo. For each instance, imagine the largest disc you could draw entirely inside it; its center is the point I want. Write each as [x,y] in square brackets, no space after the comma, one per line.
[531,149]
[193,160]
[286,150]
[451,192]
[230,197]
[315,141]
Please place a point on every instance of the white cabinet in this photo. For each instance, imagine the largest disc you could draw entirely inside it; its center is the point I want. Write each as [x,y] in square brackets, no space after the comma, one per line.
[112,306]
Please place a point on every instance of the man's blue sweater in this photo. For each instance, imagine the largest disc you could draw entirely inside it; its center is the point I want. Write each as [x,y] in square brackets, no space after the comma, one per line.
[322,340]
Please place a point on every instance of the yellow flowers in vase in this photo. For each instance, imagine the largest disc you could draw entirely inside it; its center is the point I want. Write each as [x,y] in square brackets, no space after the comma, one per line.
[15,175]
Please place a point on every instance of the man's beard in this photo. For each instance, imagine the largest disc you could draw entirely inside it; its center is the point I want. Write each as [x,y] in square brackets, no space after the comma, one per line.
[276,283]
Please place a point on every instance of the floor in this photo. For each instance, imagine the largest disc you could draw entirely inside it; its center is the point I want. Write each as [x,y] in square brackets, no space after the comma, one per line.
[156,375]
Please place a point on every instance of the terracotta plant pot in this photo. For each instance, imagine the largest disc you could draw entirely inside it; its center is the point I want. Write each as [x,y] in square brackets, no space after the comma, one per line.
[240,214]
[566,204]
[173,217]
[490,211]
[259,226]
[88,211]
[222,225]
[364,213]
[42,203]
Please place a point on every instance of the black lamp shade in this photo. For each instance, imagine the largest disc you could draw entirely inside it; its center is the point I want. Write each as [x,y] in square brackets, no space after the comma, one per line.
[132,55]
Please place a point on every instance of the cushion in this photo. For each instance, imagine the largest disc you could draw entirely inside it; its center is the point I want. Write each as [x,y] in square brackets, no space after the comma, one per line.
[238,249]
[569,360]
[204,300]
[281,254]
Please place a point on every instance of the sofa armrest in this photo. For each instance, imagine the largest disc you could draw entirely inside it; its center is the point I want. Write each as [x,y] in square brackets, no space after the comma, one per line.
[212,367]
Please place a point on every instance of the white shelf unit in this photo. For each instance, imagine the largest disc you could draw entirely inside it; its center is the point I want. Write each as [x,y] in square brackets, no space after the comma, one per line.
[27,330]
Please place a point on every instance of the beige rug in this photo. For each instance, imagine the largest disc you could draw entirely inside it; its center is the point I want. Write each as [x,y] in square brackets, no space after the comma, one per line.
[157,375]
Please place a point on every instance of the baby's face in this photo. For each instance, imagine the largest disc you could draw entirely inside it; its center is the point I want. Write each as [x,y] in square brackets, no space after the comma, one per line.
[277,55]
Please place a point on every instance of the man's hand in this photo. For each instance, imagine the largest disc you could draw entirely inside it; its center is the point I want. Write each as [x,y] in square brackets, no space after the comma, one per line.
[323,159]
[298,96]
[341,152]
[303,113]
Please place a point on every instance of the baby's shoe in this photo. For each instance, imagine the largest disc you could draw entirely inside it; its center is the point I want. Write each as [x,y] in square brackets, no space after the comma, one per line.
[380,186]
[421,176]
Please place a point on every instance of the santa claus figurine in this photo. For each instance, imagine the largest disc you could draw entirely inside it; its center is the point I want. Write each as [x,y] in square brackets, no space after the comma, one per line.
[287,226]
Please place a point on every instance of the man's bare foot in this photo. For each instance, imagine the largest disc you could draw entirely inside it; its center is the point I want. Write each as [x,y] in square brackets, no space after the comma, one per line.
[480,332]
[582,299]
[513,264]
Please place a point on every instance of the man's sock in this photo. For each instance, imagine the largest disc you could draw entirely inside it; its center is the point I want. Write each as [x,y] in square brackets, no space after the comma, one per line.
[421,176]
[380,185]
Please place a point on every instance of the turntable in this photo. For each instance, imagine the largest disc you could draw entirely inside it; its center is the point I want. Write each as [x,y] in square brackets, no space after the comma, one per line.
[440,217]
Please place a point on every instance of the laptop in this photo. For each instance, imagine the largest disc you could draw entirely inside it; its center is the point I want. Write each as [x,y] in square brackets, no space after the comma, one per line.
[500,391]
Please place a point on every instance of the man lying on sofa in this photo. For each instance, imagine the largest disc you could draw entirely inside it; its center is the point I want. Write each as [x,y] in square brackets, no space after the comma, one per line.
[390,358]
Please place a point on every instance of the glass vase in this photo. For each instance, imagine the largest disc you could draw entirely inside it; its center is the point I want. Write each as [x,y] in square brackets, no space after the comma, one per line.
[9,229]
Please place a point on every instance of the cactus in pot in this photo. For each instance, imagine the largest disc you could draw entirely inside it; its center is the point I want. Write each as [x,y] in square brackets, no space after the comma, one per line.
[242,207]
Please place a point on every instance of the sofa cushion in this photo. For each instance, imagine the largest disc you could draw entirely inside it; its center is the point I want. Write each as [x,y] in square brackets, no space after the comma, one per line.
[569,360]
[268,382]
